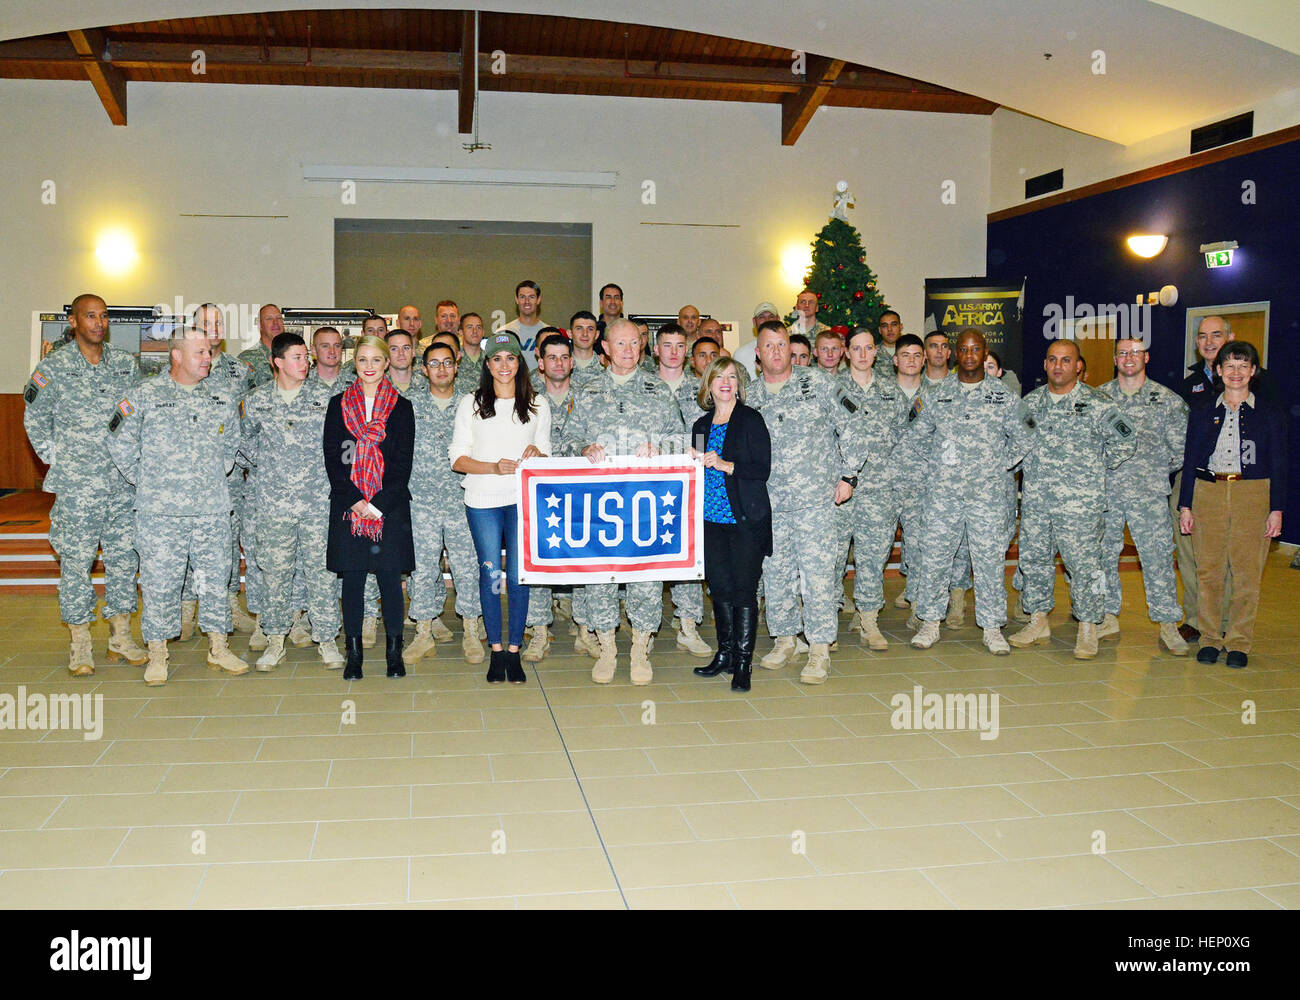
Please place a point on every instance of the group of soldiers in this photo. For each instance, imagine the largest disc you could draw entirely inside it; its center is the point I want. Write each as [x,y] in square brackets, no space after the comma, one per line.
[177,474]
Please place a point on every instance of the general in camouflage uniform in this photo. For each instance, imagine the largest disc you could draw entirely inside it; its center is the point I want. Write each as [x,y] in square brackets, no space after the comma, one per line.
[438,519]
[814,448]
[967,437]
[69,402]
[290,492]
[1137,494]
[1078,433]
[624,410]
[176,437]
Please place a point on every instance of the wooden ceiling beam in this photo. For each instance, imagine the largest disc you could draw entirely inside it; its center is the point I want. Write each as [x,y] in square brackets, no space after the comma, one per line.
[798,109]
[107,79]
[468,89]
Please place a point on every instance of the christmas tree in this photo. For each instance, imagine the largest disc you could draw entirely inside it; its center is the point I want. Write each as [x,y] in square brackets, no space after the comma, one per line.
[845,286]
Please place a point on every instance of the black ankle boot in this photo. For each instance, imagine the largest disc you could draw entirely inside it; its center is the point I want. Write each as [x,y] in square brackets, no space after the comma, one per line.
[744,632]
[722,661]
[497,667]
[393,654]
[514,668]
[352,669]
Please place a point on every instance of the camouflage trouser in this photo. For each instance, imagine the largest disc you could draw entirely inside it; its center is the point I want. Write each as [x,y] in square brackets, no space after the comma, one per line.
[911,515]
[165,545]
[1153,534]
[951,526]
[426,585]
[645,605]
[79,526]
[255,587]
[232,573]
[291,541]
[688,599]
[1078,538]
[873,522]
[800,567]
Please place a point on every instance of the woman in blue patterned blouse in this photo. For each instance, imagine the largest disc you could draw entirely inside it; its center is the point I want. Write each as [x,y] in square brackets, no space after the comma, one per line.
[732,442]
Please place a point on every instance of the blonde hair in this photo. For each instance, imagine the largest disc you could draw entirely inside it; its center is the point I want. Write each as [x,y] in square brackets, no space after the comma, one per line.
[717,367]
[378,343]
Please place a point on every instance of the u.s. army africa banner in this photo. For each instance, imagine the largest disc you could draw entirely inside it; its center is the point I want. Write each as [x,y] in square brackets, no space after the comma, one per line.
[993,308]
[622,521]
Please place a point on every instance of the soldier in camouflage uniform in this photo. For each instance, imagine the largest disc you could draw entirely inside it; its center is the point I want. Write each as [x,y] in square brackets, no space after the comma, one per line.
[70,397]
[879,413]
[673,371]
[816,456]
[438,506]
[283,423]
[1078,434]
[551,382]
[624,411]
[967,433]
[270,324]
[238,379]
[1137,493]
[176,437]
[469,367]
[327,347]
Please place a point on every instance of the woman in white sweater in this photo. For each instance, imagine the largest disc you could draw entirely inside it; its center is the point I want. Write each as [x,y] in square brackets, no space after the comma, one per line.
[497,427]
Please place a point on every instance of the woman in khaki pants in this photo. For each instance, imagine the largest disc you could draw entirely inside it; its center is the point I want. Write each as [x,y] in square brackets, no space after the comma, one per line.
[1233,490]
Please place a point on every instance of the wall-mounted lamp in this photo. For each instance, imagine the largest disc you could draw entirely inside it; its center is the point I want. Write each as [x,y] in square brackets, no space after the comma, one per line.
[1147,246]
[115,251]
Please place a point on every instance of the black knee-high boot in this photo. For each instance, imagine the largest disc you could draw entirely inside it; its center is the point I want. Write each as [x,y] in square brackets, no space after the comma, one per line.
[744,633]
[352,669]
[722,661]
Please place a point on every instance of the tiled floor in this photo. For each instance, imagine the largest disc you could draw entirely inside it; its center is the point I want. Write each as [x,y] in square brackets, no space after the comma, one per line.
[1136,780]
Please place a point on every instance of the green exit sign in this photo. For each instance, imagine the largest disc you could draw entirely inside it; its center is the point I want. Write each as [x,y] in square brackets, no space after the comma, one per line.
[1219,258]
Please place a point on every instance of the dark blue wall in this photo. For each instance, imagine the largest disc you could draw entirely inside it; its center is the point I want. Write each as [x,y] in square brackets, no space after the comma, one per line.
[1078,249]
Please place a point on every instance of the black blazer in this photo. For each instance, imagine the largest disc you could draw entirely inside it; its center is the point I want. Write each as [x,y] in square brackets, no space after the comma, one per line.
[395,550]
[749,445]
[1263,446]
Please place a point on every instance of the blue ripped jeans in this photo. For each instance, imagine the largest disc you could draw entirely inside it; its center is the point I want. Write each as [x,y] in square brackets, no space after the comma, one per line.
[493,529]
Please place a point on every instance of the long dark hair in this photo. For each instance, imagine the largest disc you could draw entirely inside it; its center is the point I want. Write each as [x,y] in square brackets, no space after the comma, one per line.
[485,396]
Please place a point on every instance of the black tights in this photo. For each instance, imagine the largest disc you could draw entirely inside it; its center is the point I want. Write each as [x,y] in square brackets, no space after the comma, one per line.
[390,593]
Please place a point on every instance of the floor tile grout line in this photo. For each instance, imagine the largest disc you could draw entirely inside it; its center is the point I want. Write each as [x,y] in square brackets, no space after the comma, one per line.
[581,790]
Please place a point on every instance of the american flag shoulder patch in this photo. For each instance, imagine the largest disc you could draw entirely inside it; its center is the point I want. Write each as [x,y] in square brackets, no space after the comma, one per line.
[125,408]
[40,379]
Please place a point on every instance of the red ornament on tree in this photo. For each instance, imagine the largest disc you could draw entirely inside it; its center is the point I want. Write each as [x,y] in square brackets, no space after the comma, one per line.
[857,295]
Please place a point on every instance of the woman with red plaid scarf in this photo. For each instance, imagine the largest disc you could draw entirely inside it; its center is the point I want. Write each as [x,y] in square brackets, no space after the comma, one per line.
[369,443]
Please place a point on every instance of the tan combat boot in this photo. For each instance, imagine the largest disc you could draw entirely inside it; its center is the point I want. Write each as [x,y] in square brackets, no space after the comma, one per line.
[1171,640]
[688,638]
[1109,626]
[439,631]
[849,606]
[956,608]
[1036,631]
[816,670]
[299,631]
[81,661]
[258,639]
[243,621]
[641,670]
[869,628]
[120,644]
[564,606]
[221,658]
[269,660]
[538,646]
[422,645]
[189,614]
[603,671]
[330,655]
[586,642]
[995,642]
[156,673]
[781,654]
[926,635]
[1085,646]
[471,645]
[369,628]
[901,602]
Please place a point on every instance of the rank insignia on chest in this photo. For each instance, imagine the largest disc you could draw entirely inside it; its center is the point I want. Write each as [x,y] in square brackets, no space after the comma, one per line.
[221,428]
[241,408]
[40,380]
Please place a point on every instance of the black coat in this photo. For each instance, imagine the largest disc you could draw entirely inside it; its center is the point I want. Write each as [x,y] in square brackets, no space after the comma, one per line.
[1262,430]
[347,552]
[749,445]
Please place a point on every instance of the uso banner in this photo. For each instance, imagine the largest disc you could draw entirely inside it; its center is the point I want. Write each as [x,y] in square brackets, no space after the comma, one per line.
[994,308]
[622,521]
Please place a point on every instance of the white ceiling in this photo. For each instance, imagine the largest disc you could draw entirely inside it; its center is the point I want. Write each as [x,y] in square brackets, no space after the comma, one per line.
[1168,65]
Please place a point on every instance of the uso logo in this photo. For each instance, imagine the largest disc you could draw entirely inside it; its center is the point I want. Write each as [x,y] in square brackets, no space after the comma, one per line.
[638,519]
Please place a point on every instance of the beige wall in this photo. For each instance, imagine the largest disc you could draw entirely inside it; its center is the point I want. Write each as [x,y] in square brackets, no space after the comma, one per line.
[385,271]
[194,149]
